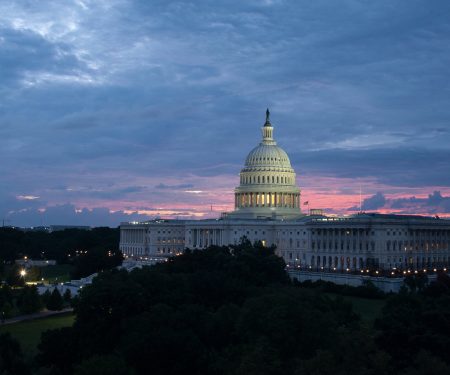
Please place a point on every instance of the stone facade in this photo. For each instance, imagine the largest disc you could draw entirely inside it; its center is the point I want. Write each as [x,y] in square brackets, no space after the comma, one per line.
[267,209]
[364,241]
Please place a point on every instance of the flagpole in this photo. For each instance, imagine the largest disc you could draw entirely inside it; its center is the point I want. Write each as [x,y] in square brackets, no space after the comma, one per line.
[307,204]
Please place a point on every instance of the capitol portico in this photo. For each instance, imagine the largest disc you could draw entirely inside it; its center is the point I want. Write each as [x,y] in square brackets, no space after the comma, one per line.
[267,209]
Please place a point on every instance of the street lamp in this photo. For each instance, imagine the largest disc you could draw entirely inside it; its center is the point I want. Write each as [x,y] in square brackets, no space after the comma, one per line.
[23,272]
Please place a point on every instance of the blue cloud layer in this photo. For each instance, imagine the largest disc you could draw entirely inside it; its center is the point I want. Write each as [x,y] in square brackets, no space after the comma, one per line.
[104,94]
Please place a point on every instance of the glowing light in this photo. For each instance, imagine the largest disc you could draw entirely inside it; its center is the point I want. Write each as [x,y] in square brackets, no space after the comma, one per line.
[23,272]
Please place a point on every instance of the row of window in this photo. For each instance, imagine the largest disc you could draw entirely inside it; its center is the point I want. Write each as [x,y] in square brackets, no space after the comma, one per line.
[416,245]
[266,179]
[253,160]
[343,245]
[346,232]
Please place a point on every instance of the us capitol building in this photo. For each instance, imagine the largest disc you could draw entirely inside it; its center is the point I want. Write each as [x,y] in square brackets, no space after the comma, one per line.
[268,209]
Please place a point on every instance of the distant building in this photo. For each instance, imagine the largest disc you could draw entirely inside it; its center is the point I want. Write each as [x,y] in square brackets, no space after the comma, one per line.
[267,209]
[28,263]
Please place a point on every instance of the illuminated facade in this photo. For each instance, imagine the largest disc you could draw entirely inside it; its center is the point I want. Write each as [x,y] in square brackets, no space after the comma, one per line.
[267,209]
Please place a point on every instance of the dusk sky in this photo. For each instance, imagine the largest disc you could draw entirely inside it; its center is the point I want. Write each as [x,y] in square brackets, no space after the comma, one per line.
[126,110]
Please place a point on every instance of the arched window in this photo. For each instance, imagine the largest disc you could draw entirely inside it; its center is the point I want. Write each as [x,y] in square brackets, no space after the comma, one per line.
[259,180]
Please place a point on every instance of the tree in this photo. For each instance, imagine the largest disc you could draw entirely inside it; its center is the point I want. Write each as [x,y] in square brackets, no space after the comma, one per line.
[67,296]
[29,300]
[223,311]
[426,364]
[55,302]
[58,350]
[103,365]
[95,260]
[46,297]
[5,295]
[416,282]
[11,358]
[14,277]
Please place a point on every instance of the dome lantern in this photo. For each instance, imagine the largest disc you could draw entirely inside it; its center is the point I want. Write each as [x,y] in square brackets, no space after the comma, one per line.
[267,129]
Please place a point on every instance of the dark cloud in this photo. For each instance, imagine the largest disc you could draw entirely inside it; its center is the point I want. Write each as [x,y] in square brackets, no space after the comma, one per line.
[174,187]
[376,201]
[435,203]
[402,166]
[25,55]
[69,215]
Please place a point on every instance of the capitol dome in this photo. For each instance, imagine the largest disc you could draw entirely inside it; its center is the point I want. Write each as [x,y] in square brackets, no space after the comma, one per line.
[268,156]
[267,181]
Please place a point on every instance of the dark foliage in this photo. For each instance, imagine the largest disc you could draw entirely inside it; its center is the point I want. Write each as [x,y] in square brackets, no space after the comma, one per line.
[11,359]
[28,300]
[67,296]
[417,322]
[6,302]
[104,365]
[233,311]
[57,245]
[219,311]
[95,260]
[368,290]
[55,301]
[13,277]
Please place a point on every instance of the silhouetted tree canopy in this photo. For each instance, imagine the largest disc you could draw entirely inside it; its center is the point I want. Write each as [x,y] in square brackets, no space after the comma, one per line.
[58,245]
[11,358]
[233,311]
[55,301]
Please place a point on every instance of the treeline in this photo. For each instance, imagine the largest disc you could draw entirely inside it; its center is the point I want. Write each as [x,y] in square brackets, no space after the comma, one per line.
[367,290]
[233,311]
[26,300]
[89,251]
[15,244]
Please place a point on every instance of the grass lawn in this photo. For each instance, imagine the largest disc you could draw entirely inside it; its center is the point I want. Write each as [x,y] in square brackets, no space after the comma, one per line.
[57,273]
[28,333]
[368,309]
